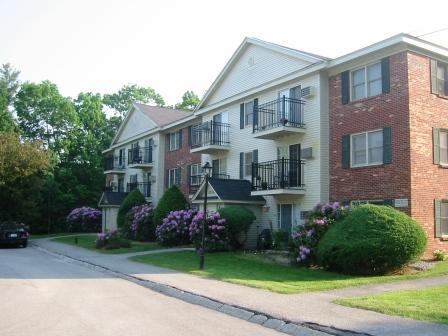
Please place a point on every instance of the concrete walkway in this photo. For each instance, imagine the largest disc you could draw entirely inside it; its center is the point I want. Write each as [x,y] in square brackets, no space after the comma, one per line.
[313,310]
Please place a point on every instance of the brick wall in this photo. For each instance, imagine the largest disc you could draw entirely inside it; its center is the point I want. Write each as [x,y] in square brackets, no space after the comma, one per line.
[386,110]
[181,158]
[428,181]
[411,111]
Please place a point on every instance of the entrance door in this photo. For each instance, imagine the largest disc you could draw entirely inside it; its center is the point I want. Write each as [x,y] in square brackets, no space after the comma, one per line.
[285,219]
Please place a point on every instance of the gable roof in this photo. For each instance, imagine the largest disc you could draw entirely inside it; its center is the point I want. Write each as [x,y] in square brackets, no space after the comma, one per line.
[230,190]
[159,116]
[312,58]
[111,199]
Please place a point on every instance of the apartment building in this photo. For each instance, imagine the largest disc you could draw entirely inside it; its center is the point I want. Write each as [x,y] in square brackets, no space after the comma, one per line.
[265,130]
[137,155]
[389,129]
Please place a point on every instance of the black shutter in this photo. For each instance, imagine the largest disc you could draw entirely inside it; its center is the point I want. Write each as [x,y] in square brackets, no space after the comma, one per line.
[385,75]
[346,151]
[255,156]
[255,115]
[241,165]
[434,76]
[242,116]
[167,177]
[180,138]
[189,175]
[167,142]
[345,87]
[387,145]
[436,145]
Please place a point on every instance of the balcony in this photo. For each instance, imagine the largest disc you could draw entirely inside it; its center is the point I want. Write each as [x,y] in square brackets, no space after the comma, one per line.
[278,177]
[140,157]
[144,187]
[210,138]
[114,165]
[280,117]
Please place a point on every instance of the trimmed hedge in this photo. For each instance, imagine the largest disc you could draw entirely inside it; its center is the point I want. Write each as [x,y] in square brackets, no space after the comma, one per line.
[238,221]
[371,239]
[171,200]
[135,197]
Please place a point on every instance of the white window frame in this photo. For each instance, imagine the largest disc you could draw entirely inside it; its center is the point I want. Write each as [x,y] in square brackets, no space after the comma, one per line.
[195,174]
[443,147]
[174,141]
[443,203]
[367,82]
[174,177]
[247,164]
[367,161]
[442,77]
[222,166]
[248,113]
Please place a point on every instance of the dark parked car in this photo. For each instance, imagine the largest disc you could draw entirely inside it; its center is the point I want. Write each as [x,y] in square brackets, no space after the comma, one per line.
[13,233]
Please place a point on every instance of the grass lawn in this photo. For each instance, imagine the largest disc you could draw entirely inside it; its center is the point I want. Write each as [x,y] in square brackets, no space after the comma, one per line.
[88,241]
[253,270]
[427,304]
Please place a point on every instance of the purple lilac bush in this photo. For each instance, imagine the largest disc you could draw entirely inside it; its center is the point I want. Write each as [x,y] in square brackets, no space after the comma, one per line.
[139,223]
[110,240]
[305,238]
[217,236]
[174,229]
[84,219]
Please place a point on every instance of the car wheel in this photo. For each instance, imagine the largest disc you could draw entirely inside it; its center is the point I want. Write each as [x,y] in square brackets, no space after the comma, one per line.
[25,243]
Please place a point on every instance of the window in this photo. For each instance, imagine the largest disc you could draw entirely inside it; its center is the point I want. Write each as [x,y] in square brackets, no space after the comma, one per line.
[248,164]
[248,113]
[440,140]
[173,177]
[195,174]
[219,168]
[121,158]
[441,217]
[288,216]
[366,82]
[175,140]
[439,78]
[367,148]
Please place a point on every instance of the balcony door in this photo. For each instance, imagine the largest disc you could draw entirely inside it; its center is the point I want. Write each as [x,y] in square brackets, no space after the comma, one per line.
[284,108]
[218,128]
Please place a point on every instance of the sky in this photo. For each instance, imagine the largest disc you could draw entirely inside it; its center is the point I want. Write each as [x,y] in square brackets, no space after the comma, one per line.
[174,45]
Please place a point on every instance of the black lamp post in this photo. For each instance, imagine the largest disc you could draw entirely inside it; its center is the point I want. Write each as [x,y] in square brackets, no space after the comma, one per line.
[206,169]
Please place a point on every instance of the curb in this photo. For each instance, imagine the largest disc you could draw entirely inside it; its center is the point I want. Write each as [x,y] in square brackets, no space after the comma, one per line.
[284,326]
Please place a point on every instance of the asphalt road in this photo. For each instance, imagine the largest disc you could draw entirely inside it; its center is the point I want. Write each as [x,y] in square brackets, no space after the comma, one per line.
[41,295]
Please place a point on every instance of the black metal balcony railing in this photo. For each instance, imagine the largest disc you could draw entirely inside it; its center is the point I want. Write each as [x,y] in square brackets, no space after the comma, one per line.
[114,188]
[140,155]
[280,112]
[278,174]
[196,180]
[114,163]
[210,133]
[144,187]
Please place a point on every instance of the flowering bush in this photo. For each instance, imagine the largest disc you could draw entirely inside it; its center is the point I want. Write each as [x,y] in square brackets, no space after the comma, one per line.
[139,223]
[84,219]
[174,229]
[440,255]
[216,231]
[305,238]
[110,240]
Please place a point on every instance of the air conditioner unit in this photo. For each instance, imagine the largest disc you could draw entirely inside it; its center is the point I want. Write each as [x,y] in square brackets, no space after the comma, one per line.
[308,92]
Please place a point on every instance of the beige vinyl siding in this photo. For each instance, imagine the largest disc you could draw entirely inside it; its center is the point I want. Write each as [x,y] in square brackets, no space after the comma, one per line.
[265,68]
[137,124]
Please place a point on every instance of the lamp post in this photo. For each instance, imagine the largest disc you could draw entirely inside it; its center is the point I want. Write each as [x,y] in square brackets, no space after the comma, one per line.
[206,169]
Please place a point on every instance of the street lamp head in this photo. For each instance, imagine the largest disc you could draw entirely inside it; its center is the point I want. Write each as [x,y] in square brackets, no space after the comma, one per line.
[207,168]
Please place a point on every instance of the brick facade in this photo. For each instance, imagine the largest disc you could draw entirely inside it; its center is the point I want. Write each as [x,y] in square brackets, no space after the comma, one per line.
[181,158]
[411,111]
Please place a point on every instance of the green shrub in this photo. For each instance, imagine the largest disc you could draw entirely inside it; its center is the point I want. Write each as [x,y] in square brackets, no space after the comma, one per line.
[440,255]
[171,200]
[111,240]
[280,240]
[371,239]
[238,221]
[135,197]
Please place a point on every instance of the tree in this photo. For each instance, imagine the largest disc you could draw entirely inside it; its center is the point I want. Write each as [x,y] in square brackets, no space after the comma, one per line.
[122,100]
[20,159]
[44,114]
[9,85]
[22,165]
[189,101]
